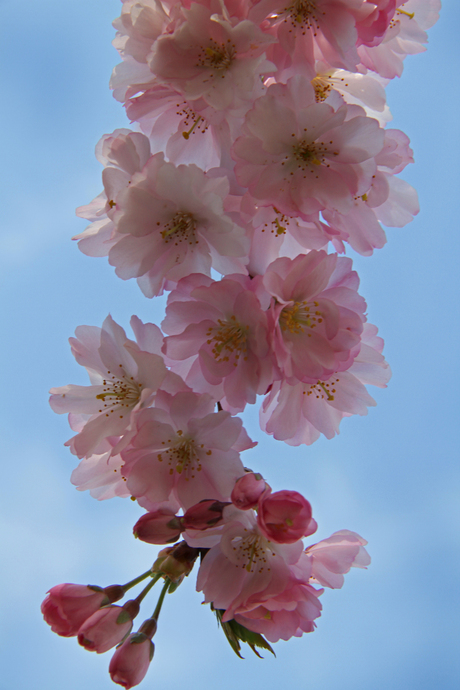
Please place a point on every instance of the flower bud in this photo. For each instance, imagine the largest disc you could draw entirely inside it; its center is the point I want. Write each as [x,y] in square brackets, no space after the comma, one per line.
[285,517]
[247,490]
[131,660]
[158,528]
[176,562]
[67,606]
[203,515]
[107,627]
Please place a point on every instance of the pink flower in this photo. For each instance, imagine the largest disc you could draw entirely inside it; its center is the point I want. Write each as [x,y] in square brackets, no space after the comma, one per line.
[245,568]
[299,413]
[317,315]
[101,473]
[124,378]
[170,223]
[331,558]
[285,517]
[327,27]
[222,330]
[405,35]
[183,449]
[107,627]
[67,606]
[123,153]
[211,57]
[304,156]
[131,660]
[288,614]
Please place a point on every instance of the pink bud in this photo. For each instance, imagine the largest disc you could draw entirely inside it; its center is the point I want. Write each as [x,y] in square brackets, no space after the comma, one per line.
[203,515]
[247,490]
[107,627]
[67,606]
[285,517]
[158,528]
[131,660]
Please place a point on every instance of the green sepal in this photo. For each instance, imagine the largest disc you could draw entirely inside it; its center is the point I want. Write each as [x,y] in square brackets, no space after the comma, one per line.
[236,633]
[123,617]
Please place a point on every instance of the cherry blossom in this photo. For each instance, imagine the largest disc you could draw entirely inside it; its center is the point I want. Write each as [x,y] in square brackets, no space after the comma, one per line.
[317,315]
[170,223]
[123,153]
[300,413]
[305,156]
[333,557]
[124,378]
[184,449]
[222,330]
[211,57]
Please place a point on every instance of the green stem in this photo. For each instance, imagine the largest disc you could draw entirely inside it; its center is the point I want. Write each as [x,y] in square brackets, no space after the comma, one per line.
[166,586]
[133,583]
[147,589]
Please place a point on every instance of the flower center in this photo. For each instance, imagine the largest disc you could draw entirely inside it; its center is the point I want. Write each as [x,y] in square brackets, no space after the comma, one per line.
[309,154]
[215,56]
[299,316]
[119,392]
[228,340]
[181,228]
[324,83]
[182,455]
[323,390]
[251,551]
[303,13]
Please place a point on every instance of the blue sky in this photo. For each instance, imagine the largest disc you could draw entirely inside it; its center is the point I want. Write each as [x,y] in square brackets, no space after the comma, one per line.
[392,476]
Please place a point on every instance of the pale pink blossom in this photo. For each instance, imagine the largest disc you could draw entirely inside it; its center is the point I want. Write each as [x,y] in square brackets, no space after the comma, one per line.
[245,568]
[221,329]
[122,153]
[317,315]
[183,449]
[326,28]
[187,131]
[124,378]
[388,199]
[170,222]
[303,156]
[333,557]
[101,473]
[300,413]
[288,614]
[131,660]
[406,35]
[212,57]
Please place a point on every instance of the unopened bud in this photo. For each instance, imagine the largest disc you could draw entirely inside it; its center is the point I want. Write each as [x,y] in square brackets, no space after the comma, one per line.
[247,490]
[176,562]
[158,528]
[203,515]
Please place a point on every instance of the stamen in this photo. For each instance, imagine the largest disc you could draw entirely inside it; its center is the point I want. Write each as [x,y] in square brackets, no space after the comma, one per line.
[411,15]
[186,135]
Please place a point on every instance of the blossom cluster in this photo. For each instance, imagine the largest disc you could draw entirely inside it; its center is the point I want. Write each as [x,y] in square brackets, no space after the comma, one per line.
[259,151]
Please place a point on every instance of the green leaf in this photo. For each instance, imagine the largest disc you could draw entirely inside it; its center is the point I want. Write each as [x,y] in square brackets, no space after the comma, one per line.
[236,633]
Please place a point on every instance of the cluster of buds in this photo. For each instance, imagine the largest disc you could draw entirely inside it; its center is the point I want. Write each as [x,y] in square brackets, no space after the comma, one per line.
[89,613]
[259,141]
